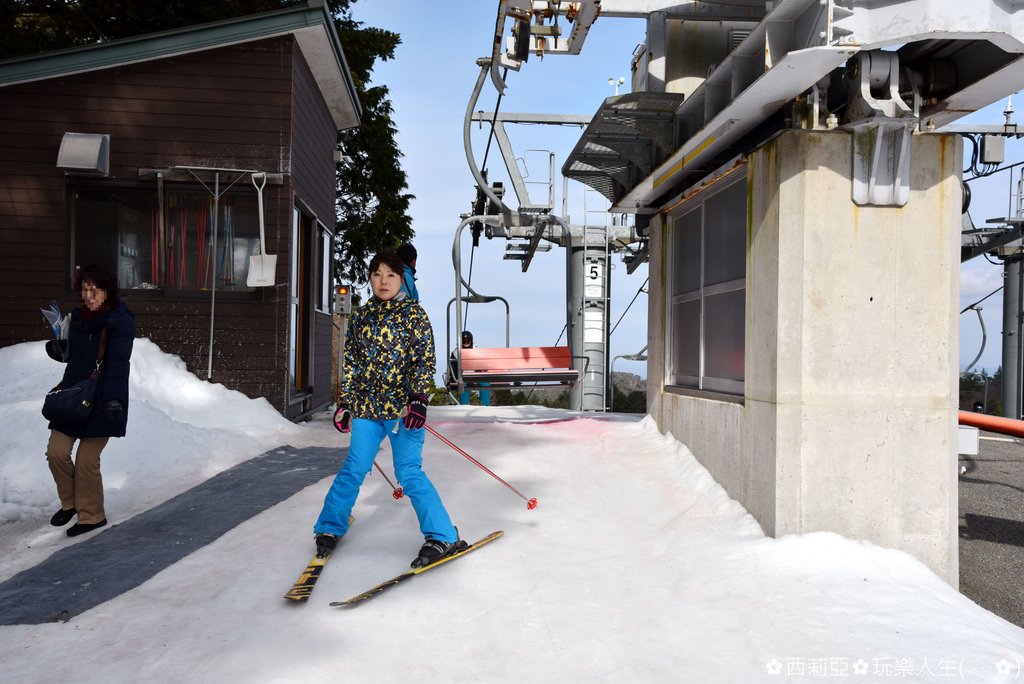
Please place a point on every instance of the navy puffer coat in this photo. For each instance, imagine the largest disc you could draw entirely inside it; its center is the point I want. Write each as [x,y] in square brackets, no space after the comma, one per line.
[83,348]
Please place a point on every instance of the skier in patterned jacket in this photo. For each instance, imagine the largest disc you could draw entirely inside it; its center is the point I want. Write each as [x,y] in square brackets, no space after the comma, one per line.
[387,365]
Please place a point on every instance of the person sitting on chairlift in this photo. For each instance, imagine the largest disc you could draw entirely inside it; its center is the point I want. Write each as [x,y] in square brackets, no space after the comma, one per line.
[453,372]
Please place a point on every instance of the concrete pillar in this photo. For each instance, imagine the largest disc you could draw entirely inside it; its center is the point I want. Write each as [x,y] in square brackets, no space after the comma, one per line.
[656,45]
[852,348]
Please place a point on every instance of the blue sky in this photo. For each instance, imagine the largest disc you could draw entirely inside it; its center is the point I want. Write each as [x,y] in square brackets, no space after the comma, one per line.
[431,80]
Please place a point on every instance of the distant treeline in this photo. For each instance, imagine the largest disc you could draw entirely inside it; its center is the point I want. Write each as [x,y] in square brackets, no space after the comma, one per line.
[984,390]
[630,396]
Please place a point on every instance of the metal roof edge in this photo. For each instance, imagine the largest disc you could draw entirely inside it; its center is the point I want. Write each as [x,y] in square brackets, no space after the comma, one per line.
[339,52]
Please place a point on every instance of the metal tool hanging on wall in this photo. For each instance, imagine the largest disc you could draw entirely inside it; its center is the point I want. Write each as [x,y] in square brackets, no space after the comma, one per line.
[262,266]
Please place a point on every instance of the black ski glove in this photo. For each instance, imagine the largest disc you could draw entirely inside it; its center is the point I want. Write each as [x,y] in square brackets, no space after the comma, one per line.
[343,418]
[57,350]
[114,410]
[417,412]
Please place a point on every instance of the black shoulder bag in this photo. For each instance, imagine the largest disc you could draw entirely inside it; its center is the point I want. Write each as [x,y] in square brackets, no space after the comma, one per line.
[74,404]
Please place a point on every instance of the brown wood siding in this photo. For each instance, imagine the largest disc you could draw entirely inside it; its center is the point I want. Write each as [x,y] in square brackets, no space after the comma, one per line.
[314,140]
[246,350]
[313,143]
[230,107]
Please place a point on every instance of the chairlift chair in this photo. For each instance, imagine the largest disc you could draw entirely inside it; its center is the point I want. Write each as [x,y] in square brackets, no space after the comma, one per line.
[506,367]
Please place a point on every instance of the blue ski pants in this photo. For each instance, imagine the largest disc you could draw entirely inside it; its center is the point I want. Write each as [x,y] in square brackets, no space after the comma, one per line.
[485,396]
[407,454]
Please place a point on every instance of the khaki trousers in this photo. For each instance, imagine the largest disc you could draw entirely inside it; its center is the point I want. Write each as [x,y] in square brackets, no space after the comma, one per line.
[79,484]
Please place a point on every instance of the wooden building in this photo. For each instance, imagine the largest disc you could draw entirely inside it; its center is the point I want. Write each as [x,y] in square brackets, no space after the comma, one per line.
[145,155]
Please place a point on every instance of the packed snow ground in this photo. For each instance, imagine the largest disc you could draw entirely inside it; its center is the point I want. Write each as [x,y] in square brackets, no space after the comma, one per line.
[635,566]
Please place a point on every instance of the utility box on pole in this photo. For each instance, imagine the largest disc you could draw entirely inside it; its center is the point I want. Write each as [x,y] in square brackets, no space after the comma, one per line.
[343,300]
[342,309]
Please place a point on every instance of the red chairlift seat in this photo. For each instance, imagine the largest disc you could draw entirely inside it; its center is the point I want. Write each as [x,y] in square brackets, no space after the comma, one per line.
[551,365]
[502,367]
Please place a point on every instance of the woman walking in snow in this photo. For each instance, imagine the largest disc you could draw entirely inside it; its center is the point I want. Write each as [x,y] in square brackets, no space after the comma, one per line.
[103,320]
[386,369]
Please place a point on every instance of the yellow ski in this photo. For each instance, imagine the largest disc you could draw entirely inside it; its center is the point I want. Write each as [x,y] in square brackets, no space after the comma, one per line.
[406,575]
[303,586]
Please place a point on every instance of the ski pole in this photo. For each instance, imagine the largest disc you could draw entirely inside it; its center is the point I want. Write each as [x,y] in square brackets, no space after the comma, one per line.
[398,490]
[530,503]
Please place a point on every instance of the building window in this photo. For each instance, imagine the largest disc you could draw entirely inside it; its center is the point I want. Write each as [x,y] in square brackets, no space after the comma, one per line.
[325,274]
[120,228]
[707,291]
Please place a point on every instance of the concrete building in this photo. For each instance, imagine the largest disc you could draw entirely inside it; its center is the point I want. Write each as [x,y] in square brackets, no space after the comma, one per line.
[849,358]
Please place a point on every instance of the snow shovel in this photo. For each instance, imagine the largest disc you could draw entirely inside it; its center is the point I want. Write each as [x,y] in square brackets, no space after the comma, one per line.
[262,266]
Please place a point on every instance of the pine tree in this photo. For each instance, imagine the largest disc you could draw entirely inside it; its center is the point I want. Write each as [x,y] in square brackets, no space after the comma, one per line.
[372,203]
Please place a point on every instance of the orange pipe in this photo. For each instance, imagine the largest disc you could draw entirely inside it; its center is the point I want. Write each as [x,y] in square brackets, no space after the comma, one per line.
[1007,426]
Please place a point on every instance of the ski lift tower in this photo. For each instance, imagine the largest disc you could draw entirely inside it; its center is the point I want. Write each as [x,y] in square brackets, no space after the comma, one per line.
[591,249]
[786,161]
[534,226]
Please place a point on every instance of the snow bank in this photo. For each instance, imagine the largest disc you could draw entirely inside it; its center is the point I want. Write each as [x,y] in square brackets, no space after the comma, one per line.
[181,431]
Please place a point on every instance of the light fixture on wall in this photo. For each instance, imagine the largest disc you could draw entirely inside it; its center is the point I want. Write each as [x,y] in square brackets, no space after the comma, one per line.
[84,154]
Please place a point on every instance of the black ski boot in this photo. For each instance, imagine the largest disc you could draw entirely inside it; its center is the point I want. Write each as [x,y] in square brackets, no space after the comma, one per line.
[325,543]
[434,550]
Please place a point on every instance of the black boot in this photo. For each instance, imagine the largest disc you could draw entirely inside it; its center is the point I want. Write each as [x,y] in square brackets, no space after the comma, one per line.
[63,517]
[82,528]
[325,543]
[434,550]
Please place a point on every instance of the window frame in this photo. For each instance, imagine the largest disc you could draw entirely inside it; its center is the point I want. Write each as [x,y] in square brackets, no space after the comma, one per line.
[325,269]
[679,305]
[161,289]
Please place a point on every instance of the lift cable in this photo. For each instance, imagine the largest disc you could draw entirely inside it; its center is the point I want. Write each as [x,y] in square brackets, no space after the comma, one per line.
[564,327]
[630,304]
[978,175]
[982,299]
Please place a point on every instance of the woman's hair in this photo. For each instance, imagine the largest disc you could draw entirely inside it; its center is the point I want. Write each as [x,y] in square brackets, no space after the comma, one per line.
[103,279]
[389,259]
